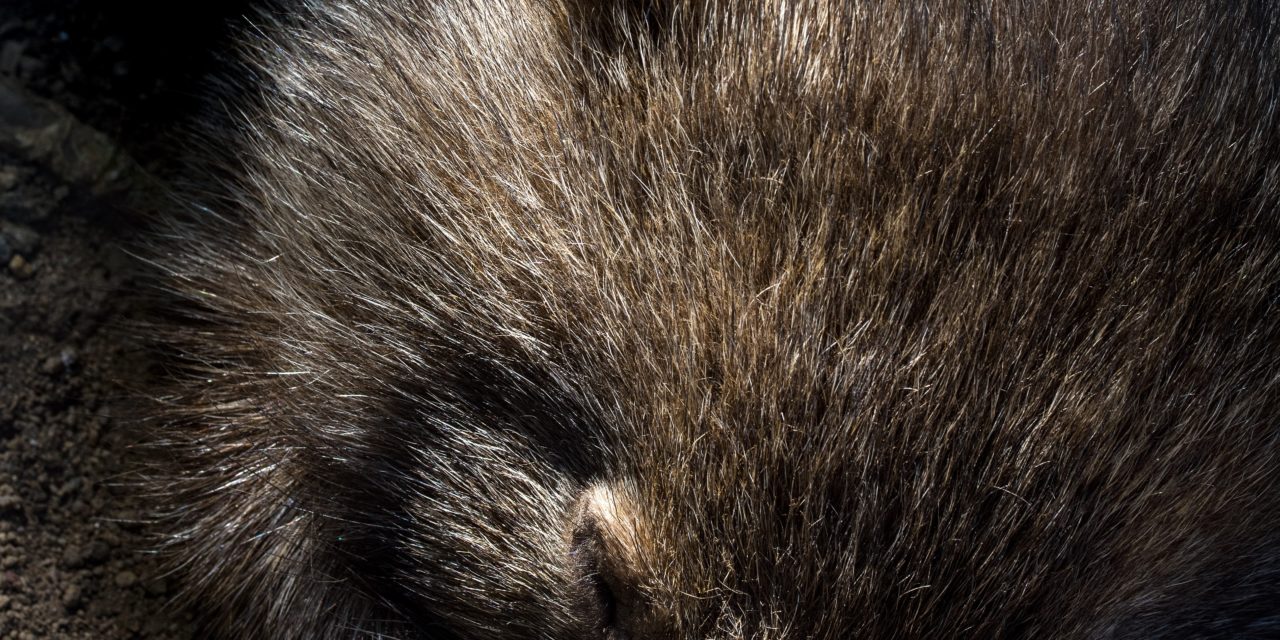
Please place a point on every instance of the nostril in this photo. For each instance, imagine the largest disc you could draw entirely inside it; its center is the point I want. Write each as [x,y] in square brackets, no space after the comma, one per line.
[600,602]
[603,552]
[607,606]
[598,598]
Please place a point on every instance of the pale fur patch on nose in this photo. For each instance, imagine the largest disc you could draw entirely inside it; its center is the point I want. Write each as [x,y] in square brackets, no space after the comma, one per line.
[611,512]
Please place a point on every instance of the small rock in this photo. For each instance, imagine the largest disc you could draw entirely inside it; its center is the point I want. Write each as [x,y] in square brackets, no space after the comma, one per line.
[9,501]
[30,67]
[157,588]
[62,362]
[73,557]
[72,598]
[70,486]
[153,627]
[8,178]
[95,554]
[21,238]
[125,579]
[10,53]
[46,134]
[98,552]
[20,267]
[37,494]
[4,602]
[18,205]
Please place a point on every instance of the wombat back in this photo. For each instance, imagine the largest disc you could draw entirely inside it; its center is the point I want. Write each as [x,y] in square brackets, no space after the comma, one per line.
[780,319]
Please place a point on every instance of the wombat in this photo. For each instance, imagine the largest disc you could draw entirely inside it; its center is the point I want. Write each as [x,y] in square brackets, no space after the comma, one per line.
[781,319]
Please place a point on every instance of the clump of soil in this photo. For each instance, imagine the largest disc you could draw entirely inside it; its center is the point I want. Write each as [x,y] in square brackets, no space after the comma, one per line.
[88,93]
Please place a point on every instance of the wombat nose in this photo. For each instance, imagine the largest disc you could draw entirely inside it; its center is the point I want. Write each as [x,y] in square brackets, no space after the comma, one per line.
[605,547]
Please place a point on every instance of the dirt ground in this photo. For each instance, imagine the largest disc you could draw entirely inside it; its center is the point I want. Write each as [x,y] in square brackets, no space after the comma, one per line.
[90,93]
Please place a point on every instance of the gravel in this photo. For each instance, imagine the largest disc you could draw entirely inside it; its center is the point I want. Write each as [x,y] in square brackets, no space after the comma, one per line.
[88,93]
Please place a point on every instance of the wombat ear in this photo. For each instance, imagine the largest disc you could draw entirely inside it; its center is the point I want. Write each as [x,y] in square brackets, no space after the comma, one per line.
[605,552]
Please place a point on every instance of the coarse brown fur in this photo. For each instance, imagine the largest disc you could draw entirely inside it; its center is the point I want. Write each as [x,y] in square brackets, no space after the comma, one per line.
[728,320]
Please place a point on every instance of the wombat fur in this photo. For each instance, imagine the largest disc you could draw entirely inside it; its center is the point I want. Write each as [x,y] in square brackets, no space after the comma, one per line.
[730,320]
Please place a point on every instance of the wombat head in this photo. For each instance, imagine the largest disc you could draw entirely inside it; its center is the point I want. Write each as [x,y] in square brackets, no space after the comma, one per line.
[732,320]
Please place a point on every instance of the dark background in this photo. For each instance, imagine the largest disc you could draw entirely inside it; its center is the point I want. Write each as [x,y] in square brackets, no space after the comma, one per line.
[130,69]
[73,559]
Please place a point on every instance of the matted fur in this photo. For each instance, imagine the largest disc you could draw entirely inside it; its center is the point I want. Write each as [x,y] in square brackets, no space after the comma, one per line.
[770,319]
